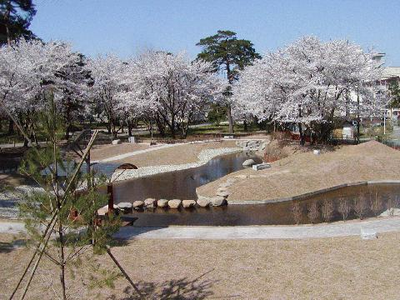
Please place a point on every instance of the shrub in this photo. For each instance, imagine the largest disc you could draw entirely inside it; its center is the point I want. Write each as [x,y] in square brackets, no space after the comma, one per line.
[313,212]
[344,208]
[375,203]
[327,210]
[297,212]
[360,206]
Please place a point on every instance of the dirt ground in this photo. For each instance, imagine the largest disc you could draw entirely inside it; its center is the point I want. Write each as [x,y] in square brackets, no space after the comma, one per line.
[306,172]
[336,268]
[181,154]
[99,152]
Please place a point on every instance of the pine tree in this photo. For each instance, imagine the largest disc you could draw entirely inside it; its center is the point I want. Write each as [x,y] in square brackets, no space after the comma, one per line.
[229,55]
[61,219]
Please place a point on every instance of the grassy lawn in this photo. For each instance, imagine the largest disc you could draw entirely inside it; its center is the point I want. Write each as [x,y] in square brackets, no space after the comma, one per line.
[335,268]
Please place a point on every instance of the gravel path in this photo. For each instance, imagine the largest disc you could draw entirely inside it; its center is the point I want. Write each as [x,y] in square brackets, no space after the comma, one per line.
[339,229]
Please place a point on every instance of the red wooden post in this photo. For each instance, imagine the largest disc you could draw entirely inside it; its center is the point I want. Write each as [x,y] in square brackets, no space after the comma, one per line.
[110,198]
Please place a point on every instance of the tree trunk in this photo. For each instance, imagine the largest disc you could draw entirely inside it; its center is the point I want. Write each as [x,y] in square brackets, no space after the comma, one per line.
[11,127]
[245,126]
[230,119]
[67,131]
[160,126]
[130,129]
[302,141]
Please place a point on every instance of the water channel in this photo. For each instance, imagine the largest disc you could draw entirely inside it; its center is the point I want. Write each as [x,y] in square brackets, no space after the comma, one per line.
[361,201]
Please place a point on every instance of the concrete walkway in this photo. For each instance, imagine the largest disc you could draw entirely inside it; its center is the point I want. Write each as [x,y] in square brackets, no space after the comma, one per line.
[338,229]
[350,228]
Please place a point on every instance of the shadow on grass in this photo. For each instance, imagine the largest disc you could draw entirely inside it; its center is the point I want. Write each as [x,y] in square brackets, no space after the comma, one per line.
[180,289]
[7,247]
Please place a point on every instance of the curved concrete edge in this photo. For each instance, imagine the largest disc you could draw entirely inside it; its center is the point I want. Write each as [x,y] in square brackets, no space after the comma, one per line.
[314,193]
[339,229]
[155,170]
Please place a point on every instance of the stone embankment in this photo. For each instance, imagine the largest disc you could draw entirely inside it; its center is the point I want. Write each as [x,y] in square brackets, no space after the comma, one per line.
[253,144]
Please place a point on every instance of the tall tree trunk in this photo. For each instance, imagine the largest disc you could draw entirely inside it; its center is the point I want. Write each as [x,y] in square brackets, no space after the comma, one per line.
[302,141]
[130,128]
[230,119]
[62,265]
[11,127]
[245,126]
[160,126]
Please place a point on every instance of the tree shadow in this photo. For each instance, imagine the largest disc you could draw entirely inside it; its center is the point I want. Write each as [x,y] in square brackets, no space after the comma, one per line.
[179,289]
[7,247]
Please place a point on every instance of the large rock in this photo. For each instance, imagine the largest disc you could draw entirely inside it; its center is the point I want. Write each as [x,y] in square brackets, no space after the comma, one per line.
[203,202]
[137,204]
[188,203]
[162,203]
[248,162]
[116,142]
[174,203]
[218,201]
[150,203]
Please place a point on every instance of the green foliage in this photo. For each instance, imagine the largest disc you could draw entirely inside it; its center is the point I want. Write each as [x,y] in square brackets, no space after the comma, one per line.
[74,200]
[227,53]
[15,19]
[217,114]
[394,95]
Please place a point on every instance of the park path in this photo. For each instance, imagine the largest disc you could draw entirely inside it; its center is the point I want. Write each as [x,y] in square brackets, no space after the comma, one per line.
[338,229]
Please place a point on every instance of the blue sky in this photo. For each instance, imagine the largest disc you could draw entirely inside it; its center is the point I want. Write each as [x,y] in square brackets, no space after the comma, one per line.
[128,26]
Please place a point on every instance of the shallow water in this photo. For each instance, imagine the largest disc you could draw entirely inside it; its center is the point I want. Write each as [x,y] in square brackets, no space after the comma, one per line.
[179,184]
[383,195]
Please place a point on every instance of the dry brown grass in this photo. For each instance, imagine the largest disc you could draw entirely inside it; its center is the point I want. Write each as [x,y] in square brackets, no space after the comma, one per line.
[181,154]
[99,152]
[336,268]
[306,172]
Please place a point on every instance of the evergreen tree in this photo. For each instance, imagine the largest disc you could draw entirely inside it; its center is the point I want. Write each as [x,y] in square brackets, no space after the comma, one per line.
[15,19]
[62,218]
[229,55]
[394,91]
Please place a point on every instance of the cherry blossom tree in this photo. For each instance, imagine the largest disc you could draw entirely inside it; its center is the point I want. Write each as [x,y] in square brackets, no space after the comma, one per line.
[108,72]
[169,89]
[309,83]
[29,70]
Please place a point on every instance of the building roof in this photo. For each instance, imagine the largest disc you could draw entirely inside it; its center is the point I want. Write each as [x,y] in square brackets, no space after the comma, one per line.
[390,72]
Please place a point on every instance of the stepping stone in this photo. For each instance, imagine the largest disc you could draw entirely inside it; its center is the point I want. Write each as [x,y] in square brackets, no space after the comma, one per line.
[188,203]
[174,203]
[162,203]
[125,206]
[218,201]
[150,202]
[203,202]
[137,204]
